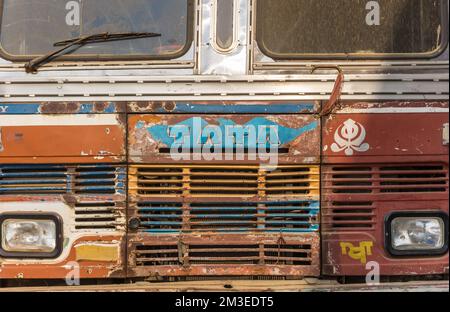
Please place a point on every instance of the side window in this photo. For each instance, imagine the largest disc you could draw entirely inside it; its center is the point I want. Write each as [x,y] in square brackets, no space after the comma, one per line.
[346,28]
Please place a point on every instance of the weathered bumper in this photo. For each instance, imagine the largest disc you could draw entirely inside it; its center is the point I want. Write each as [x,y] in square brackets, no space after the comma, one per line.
[306,285]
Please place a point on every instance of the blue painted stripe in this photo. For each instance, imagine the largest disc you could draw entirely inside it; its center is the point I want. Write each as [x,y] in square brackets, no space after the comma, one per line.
[35,108]
[153,216]
[144,209]
[33,175]
[161,223]
[32,181]
[229,108]
[19,109]
[94,173]
[232,231]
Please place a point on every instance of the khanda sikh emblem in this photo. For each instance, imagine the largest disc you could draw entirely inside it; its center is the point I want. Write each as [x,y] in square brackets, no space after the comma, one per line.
[349,137]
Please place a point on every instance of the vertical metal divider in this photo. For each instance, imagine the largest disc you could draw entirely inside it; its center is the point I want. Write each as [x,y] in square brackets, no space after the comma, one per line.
[127,192]
[321,123]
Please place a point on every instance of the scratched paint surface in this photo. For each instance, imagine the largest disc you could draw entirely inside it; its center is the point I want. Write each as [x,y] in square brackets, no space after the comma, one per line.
[374,164]
[85,224]
[225,107]
[385,135]
[92,137]
[62,108]
[150,135]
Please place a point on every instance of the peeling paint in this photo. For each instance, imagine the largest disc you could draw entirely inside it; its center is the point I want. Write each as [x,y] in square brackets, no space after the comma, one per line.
[97,252]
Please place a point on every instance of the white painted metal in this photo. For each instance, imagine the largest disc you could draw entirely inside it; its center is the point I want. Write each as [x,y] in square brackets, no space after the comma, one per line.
[308,87]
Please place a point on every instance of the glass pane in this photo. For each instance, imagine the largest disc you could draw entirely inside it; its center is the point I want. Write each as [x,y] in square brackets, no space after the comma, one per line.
[295,27]
[30,27]
[224,27]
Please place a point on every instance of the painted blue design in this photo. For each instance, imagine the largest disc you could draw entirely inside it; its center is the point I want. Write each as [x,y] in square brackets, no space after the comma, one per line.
[196,132]
[229,108]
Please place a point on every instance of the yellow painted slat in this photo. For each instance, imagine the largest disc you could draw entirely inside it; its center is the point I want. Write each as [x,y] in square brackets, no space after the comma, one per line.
[223,181]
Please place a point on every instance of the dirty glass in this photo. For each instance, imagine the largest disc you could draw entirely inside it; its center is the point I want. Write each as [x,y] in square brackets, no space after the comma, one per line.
[30,27]
[224,27]
[299,28]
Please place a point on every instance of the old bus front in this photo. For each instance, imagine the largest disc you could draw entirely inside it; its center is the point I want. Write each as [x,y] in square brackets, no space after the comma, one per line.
[185,139]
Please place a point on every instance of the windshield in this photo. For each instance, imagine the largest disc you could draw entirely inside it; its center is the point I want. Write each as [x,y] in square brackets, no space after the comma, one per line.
[308,28]
[31,27]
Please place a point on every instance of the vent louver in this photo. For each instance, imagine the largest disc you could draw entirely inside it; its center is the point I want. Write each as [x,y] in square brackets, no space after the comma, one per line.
[62,179]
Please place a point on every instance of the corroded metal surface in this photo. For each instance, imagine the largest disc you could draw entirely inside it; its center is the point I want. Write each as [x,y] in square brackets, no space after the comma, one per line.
[62,132]
[377,157]
[296,137]
[305,285]
[265,223]
[375,164]
[224,255]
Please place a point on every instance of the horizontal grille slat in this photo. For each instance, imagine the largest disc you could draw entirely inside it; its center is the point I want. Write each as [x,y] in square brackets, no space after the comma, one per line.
[223,181]
[386,179]
[344,186]
[291,216]
[261,254]
[62,179]
[105,216]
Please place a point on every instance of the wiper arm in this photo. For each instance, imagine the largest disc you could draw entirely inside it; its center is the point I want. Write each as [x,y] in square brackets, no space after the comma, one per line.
[33,65]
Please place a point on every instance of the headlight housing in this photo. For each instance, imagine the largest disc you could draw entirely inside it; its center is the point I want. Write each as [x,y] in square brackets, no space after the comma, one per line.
[417,233]
[30,236]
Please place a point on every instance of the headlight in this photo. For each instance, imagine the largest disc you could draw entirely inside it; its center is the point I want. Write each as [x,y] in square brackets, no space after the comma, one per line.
[417,233]
[30,236]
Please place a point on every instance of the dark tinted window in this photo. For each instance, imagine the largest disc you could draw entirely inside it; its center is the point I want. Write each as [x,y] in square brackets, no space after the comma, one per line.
[30,27]
[224,23]
[291,28]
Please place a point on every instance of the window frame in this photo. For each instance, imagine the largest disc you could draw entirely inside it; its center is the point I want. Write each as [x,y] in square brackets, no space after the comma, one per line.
[191,9]
[444,42]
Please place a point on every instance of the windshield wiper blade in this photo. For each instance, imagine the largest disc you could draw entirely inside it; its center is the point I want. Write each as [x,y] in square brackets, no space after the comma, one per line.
[33,65]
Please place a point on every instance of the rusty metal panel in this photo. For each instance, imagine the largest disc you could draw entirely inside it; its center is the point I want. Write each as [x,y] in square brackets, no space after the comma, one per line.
[91,200]
[150,181]
[224,107]
[265,221]
[53,132]
[151,137]
[224,255]
[375,164]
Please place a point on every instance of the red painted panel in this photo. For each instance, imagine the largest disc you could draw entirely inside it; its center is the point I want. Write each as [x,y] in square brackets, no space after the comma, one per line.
[365,135]
[376,164]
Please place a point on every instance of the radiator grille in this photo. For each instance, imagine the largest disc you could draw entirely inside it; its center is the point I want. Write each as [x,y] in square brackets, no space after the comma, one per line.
[348,215]
[62,179]
[99,216]
[386,179]
[176,254]
[223,181]
[350,192]
[291,216]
